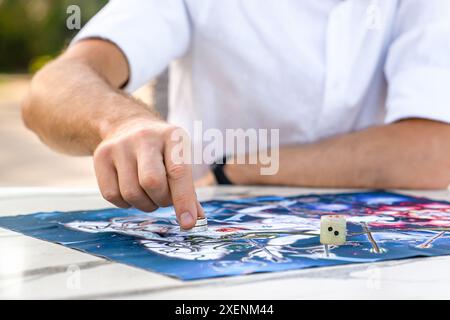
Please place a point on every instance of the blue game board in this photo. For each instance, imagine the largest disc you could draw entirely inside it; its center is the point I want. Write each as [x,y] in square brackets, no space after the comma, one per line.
[262,234]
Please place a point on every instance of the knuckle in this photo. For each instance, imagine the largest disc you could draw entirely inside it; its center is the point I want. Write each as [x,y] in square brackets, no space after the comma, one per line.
[142,134]
[177,171]
[174,133]
[103,151]
[172,128]
[111,196]
[109,149]
[131,195]
[151,182]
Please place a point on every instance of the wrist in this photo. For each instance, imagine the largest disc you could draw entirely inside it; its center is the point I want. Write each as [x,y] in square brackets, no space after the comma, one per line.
[237,174]
[133,115]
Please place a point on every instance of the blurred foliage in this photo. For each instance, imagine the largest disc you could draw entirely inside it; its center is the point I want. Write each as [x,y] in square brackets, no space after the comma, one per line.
[38,62]
[34,31]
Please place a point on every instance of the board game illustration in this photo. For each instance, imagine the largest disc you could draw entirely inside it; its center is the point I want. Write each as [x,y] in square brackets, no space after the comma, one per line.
[261,234]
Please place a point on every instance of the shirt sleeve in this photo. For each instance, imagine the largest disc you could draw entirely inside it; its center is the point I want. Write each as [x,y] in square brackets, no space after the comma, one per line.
[151,33]
[418,62]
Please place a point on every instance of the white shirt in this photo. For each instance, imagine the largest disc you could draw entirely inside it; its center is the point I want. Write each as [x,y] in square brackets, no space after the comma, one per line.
[311,68]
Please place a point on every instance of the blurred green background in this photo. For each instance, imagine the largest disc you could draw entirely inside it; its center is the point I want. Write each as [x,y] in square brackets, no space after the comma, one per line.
[34,31]
[31,33]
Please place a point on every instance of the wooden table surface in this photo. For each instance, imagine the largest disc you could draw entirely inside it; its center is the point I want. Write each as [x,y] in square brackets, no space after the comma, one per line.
[31,268]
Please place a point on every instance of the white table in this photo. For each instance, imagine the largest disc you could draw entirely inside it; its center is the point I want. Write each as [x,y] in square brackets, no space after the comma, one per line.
[31,268]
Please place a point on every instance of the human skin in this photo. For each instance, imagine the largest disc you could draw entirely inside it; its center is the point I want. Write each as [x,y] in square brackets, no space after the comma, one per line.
[75,106]
[409,154]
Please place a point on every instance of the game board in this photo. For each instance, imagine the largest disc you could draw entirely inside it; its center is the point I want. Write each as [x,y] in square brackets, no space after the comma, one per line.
[262,234]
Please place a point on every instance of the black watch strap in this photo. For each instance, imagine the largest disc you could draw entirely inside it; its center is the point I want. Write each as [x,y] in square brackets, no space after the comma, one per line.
[219,174]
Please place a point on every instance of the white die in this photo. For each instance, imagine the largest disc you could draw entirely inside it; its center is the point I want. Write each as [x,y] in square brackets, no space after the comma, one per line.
[333,229]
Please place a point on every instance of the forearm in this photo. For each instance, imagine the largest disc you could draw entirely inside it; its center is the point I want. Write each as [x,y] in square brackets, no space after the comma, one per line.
[409,154]
[74,101]
[75,106]
[70,106]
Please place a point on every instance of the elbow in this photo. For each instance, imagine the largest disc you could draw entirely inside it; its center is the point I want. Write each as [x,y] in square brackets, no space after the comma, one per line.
[27,113]
[32,104]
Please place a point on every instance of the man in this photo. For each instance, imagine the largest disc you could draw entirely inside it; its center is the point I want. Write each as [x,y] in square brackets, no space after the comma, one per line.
[359,90]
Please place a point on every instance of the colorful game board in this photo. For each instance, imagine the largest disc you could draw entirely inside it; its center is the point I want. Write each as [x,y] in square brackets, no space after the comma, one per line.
[262,234]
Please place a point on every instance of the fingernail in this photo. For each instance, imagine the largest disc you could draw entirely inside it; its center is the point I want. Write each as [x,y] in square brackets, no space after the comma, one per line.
[186,219]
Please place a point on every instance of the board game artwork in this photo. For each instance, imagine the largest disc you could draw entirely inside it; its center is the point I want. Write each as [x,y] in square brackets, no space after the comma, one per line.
[244,236]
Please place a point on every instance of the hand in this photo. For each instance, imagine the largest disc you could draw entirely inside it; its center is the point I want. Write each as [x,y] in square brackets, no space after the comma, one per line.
[135,166]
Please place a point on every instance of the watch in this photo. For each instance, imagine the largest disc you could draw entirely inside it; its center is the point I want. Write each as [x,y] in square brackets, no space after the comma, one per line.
[219,174]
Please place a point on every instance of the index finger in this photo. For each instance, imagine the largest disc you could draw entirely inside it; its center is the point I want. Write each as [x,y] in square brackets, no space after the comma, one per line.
[179,177]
